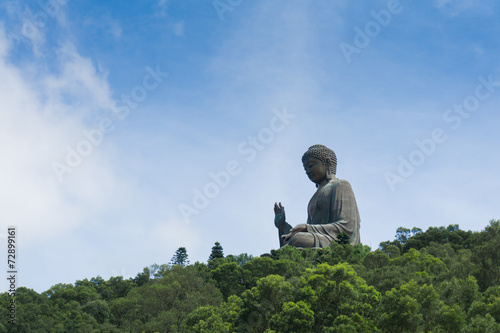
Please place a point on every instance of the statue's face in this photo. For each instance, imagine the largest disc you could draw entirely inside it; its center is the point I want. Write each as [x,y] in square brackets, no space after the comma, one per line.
[315,170]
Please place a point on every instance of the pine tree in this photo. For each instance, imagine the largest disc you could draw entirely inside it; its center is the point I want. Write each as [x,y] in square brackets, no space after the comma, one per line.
[180,257]
[217,252]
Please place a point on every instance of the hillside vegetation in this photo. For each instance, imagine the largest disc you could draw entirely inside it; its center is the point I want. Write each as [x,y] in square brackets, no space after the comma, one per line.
[441,280]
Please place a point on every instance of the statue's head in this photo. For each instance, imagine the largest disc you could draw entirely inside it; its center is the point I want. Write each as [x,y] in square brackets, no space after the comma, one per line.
[325,156]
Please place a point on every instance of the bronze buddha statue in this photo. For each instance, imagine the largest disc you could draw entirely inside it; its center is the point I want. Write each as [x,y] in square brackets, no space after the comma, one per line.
[331,210]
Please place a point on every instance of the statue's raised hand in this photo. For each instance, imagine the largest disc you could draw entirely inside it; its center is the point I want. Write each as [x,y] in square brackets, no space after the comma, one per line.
[279,216]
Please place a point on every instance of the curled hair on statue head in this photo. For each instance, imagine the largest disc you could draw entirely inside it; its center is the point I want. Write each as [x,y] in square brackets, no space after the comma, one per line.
[324,154]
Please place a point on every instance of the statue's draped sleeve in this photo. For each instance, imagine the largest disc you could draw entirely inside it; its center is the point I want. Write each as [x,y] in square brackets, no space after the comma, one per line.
[286,231]
[331,211]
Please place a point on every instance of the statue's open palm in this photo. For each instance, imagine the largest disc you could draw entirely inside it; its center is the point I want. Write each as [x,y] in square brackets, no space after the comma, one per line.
[279,216]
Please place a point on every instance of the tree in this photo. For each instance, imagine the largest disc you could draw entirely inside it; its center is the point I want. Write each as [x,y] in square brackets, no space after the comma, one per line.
[295,317]
[221,318]
[485,253]
[462,292]
[229,278]
[413,308]
[180,257]
[263,301]
[98,309]
[240,259]
[143,277]
[262,267]
[399,311]
[343,238]
[485,324]
[162,304]
[338,292]
[217,252]
[119,287]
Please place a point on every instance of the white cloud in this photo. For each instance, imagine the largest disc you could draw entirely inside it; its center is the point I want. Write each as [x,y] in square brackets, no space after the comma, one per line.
[4,43]
[80,80]
[179,28]
[116,29]
[442,3]
[105,23]
[39,117]
[163,4]
[472,7]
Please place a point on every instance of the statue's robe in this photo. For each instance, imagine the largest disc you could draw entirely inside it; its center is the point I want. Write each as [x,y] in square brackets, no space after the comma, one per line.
[331,210]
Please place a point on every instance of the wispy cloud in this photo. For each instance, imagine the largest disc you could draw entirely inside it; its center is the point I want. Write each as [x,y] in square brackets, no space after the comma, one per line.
[106,24]
[163,7]
[179,28]
[467,7]
[40,116]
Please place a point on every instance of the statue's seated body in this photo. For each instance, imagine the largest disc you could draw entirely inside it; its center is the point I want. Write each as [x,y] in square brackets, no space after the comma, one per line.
[331,210]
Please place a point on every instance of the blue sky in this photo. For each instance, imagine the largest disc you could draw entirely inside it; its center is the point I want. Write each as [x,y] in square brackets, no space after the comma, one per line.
[115,116]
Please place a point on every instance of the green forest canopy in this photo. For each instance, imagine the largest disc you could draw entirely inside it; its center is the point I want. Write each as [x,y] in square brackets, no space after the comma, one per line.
[441,280]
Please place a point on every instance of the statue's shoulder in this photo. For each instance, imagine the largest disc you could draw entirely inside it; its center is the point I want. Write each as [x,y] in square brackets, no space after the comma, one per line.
[340,183]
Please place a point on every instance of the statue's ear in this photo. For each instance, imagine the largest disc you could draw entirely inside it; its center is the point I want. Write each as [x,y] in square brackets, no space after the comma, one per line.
[329,174]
